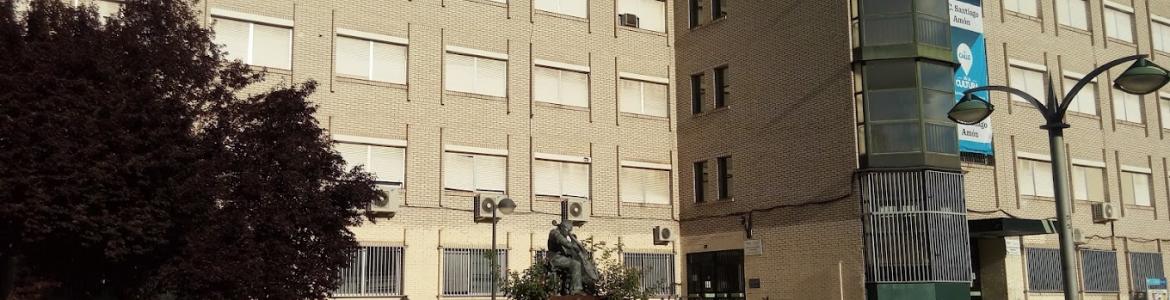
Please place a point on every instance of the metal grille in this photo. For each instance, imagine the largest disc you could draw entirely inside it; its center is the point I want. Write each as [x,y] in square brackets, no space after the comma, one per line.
[468,272]
[657,272]
[1145,265]
[916,227]
[538,257]
[1044,270]
[1099,270]
[372,271]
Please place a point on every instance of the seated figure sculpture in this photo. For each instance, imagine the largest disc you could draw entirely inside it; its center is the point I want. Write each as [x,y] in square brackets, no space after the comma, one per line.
[570,260]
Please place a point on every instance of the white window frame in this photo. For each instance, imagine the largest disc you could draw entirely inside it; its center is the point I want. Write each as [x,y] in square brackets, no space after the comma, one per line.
[252,20]
[1021,70]
[563,161]
[358,271]
[477,55]
[560,9]
[1123,107]
[376,142]
[476,153]
[620,9]
[643,80]
[1066,15]
[1160,33]
[659,167]
[1031,178]
[1070,80]
[371,39]
[561,68]
[1132,172]
[1164,109]
[1081,189]
[1022,7]
[1110,15]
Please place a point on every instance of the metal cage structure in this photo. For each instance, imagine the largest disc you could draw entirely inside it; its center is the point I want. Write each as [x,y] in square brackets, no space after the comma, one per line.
[915,227]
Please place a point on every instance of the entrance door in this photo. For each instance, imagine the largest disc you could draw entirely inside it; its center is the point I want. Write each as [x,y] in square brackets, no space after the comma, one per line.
[715,275]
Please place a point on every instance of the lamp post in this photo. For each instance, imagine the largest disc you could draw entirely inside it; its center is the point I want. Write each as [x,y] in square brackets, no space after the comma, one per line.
[1143,77]
[505,206]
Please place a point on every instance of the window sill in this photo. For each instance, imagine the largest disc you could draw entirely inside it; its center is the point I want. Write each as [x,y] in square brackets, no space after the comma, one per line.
[1131,124]
[709,23]
[1139,207]
[1023,16]
[640,30]
[1162,52]
[561,106]
[476,96]
[1121,41]
[492,3]
[551,198]
[1038,198]
[1082,31]
[1083,115]
[270,70]
[458,193]
[561,16]
[645,205]
[355,80]
[711,112]
[642,116]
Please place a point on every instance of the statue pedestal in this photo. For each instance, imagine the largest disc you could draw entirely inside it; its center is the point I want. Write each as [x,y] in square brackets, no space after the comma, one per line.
[575,297]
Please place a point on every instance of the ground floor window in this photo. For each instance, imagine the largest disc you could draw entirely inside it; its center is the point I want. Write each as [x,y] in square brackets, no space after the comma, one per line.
[468,272]
[1044,270]
[372,271]
[1143,266]
[1100,271]
[657,272]
[715,275]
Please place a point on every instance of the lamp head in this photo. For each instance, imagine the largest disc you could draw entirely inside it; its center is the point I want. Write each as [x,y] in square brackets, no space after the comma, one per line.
[1143,77]
[506,206]
[971,110]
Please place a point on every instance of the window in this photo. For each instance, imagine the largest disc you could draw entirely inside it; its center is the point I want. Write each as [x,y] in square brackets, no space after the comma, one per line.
[1135,188]
[474,172]
[476,75]
[657,272]
[371,60]
[643,97]
[724,177]
[372,271]
[576,8]
[561,178]
[698,89]
[1164,108]
[700,181]
[1035,178]
[719,273]
[651,14]
[107,9]
[1027,7]
[1099,269]
[1142,266]
[1088,183]
[1027,80]
[385,163]
[696,11]
[1118,24]
[255,44]
[1086,100]
[1073,13]
[643,185]
[720,87]
[1044,270]
[558,86]
[718,9]
[1127,107]
[468,272]
[1161,35]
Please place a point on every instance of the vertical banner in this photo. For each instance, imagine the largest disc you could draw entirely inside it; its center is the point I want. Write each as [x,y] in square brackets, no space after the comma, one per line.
[970,50]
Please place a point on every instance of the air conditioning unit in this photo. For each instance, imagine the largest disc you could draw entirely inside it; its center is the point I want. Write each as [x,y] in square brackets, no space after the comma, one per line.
[664,235]
[628,20]
[1078,237]
[485,204]
[1105,212]
[389,200]
[577,209]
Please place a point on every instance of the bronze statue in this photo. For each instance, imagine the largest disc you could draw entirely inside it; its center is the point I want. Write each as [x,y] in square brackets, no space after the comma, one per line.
[570,259]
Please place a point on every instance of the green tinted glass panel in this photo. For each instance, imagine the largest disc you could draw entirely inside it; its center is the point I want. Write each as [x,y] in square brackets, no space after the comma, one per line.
[937,76]
[889,74]
[935,104]
[879,31]
[937,8]
[876,7]
[942,138]
[934,32]
[887,105]
[895,137]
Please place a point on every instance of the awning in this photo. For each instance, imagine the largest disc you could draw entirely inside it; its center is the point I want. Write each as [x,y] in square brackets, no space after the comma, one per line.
[1001,227]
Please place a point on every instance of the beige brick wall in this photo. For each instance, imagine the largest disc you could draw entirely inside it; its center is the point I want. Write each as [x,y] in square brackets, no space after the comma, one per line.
[429,118]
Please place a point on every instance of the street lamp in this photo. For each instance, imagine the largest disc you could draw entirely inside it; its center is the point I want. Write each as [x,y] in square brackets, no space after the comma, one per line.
[1143,77]
[506,206]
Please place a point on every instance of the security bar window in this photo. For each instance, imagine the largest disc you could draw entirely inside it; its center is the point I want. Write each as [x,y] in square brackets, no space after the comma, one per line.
[1164,109]
[476,75]
[696,12]
[720,82]
[371,60]
[1027,80]
[651,14]
[698,90]
[724,177]
[386,163]
[576,8]
[561,178]
[657,272]
[700,173]
[558,86]
[1073,13]
[1027,7]
[1161,35]
[718,9]
[1035,178]
[474,172]
[254,43]
[1142,266]
[468,272]
[1088,183]
[1118,24]
[1127,107]
[1099,269]
[643,97]
[1044,270]
[641,185]
[1086,101]
[1135,188]
[372,271]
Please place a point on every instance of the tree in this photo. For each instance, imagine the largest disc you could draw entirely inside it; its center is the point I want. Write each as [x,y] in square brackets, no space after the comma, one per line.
[131,168]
